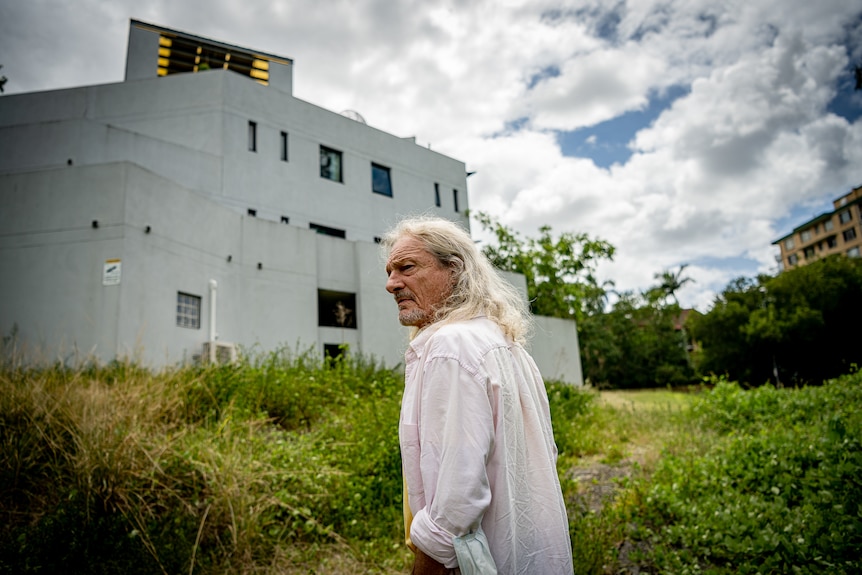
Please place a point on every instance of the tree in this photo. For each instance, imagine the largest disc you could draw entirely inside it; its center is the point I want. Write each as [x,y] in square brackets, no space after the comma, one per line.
[560,272]
[636,344]
[671,282]
[798,327]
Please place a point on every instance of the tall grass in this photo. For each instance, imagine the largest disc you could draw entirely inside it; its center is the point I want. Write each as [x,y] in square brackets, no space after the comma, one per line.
[116,469]
[286,464]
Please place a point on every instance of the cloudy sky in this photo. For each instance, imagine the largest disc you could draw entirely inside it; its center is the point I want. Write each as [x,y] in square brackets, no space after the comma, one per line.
[683,132]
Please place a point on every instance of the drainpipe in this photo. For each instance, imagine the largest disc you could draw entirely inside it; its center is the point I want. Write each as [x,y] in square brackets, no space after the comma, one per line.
[213,291]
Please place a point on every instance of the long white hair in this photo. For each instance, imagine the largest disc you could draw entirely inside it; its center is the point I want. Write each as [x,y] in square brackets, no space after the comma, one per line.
[479,289]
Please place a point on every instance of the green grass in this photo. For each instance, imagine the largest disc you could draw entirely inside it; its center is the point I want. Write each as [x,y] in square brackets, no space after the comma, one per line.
[285,464]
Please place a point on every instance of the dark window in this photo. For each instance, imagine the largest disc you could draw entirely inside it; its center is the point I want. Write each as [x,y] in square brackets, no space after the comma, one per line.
[336,309]
[792,259]
[831,242]
[284,146]
[845,216]
[327,231]
[436,194]
[188,310]
[333,351]
[252,136]
[381,181]
[455,199]
[809,252]
[330,164]
[849,234]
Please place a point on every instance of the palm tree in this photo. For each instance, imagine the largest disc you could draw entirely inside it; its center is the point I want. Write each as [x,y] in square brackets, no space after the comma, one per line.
[671,282]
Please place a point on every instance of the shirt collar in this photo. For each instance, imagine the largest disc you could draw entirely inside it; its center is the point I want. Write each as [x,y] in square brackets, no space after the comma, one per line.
[417,344]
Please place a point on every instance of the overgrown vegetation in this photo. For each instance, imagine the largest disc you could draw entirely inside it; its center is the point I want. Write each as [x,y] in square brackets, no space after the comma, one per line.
[771,484]
[243,468]
[787,329]
[284,464]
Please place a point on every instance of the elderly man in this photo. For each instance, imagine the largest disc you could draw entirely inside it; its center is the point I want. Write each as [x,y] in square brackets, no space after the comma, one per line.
[477,447]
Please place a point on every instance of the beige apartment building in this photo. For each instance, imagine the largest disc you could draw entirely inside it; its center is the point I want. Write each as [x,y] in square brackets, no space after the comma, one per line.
[835,232]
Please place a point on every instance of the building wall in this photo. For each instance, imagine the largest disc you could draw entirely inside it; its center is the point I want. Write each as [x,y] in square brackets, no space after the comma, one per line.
[164,168]
[193,129]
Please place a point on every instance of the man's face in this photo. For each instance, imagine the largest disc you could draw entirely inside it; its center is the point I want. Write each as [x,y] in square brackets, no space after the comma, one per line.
[418,281]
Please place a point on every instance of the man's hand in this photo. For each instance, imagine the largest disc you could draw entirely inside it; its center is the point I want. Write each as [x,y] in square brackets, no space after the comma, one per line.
[425,565]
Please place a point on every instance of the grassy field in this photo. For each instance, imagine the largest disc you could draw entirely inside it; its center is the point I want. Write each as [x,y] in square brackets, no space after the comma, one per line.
[286,465]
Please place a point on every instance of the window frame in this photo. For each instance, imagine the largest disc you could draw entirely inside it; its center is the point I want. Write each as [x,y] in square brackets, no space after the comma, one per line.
[385,177]
[327,313]
[188,310]
[284,143]
[326,151]
[252,136]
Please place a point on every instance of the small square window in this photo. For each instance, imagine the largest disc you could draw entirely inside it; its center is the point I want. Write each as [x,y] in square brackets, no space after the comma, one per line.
[330,164]
[845,216]
[789,244]
[436,194]
[252,136]
[849,234]
[381,181]
[284,146]
[831,242]
[792,259]
[809,253]
[828,225]
[455,199]
[188,310]
[853,252]
[336,309]
[805,235]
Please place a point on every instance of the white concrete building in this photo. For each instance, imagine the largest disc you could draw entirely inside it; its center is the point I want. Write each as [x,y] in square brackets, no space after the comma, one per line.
[148,217]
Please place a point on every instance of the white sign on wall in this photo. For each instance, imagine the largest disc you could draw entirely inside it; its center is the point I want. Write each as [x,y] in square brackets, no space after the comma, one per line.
[111,272]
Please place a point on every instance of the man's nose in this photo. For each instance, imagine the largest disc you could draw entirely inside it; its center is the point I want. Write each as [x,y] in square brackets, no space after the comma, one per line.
[394,282]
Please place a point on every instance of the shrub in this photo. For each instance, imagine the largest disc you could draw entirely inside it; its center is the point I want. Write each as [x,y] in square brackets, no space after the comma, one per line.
[777,492]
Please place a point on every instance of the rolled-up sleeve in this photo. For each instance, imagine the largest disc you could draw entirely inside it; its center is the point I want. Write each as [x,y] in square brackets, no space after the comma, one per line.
[456,431]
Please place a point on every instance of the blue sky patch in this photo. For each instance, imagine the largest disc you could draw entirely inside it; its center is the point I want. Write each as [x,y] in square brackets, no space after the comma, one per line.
[607,143]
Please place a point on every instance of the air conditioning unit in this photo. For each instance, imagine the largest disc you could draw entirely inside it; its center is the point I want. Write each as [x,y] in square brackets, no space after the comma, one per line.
[219,352]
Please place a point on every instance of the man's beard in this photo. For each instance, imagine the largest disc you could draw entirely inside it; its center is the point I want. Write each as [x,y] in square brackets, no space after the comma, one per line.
[414,316]
[411,317]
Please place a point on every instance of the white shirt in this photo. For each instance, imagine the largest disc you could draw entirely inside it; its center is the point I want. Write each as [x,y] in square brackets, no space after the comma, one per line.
[477,445]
